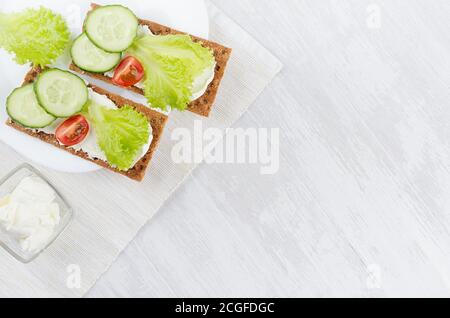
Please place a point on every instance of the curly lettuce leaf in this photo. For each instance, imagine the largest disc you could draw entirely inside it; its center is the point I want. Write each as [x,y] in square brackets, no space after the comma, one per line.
[37,36]
[171,63]
[121,133]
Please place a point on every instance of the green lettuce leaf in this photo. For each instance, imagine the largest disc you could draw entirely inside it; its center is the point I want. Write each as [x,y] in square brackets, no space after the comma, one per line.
[171,63]
[38,36]
[121,133]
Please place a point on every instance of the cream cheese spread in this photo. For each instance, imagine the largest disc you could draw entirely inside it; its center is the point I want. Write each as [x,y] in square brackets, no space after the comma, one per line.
[200,84]
[90,144]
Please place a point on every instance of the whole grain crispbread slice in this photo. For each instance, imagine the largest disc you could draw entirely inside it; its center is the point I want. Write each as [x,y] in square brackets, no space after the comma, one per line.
[201,106]
[157,121]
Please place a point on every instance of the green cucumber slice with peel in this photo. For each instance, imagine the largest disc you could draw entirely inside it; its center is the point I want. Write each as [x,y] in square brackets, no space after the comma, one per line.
[88,57]
[23,107]
[61,93]
[112,28]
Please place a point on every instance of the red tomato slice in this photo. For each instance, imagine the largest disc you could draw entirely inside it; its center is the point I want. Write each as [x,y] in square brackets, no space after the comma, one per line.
[73,130]
[129,72]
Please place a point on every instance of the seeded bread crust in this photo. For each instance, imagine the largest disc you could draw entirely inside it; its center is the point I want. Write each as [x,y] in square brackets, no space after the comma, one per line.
[201,106]
[156,120]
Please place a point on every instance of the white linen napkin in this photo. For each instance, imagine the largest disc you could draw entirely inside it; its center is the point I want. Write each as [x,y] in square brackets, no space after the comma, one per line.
[110,209]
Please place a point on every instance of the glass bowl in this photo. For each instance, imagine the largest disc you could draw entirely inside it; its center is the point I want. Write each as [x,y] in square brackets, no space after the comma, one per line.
[7,185]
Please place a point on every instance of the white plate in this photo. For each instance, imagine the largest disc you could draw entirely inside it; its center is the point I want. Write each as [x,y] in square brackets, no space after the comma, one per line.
[190,16]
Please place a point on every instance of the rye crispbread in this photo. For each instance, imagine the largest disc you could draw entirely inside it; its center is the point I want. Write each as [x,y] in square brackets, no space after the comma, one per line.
[156,120]
[201,106]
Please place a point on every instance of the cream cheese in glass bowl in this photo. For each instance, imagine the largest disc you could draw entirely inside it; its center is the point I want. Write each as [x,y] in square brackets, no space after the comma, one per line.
[32,213]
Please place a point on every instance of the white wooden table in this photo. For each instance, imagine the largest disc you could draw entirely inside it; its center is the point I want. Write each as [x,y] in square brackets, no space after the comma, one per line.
[360,206]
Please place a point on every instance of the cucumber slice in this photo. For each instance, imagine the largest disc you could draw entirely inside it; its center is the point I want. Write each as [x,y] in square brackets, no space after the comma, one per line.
[23,107]
[90,58]
[61,93]
[112,28]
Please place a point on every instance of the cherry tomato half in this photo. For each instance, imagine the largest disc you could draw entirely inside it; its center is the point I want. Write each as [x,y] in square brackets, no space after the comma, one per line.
[73,130]
[129,72]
